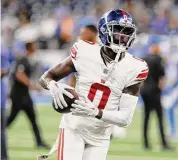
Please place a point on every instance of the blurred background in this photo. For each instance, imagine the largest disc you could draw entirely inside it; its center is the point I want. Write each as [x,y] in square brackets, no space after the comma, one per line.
[54,25]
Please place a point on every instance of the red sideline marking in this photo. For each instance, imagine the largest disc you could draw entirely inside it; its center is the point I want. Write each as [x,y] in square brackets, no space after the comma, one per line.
[142,75]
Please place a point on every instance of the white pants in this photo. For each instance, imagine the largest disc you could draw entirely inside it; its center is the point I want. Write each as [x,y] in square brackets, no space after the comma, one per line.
[72,146]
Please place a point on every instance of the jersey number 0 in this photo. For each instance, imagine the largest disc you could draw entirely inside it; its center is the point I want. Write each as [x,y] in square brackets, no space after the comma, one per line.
[106,92]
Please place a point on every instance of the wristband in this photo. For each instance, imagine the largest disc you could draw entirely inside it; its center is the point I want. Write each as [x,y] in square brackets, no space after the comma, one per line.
[50,83]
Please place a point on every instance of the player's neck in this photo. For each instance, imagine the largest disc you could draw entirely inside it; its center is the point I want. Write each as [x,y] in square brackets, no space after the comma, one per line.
[28,54]
[109,55]
[109,52]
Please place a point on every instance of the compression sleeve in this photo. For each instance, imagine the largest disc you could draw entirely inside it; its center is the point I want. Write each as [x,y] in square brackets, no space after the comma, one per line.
[122,117]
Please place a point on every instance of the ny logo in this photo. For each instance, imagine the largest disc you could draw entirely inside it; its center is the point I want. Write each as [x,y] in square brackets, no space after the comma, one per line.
[125,18]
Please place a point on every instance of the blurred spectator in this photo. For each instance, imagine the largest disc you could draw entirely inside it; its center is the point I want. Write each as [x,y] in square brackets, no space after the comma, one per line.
[60,21]
[48,27]
[89,33]
[4,72]
[18,49]
[19,94]
[150,3]
[171,110]
[27,31]
[66,31]
[170,93]
[151,94]
[160,24]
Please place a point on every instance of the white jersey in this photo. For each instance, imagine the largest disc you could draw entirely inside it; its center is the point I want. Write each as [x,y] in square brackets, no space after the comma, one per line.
[103,86]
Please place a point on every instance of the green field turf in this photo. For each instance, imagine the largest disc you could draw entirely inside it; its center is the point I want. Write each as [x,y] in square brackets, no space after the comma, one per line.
[22,147]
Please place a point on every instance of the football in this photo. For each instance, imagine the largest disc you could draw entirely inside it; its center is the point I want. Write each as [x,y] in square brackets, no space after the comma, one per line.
[68,100]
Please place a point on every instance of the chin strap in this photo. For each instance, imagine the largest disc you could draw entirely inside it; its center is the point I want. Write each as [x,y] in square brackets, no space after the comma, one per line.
[118,56]
[118,50]
[107,58]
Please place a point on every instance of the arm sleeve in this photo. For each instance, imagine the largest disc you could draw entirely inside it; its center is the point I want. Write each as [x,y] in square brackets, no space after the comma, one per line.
[122,117]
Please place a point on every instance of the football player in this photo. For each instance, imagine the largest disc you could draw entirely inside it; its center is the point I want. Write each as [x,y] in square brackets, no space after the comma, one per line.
[108,83]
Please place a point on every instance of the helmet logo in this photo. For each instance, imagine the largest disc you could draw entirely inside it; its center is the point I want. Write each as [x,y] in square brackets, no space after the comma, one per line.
[107,31]
[125,18]
[103,29]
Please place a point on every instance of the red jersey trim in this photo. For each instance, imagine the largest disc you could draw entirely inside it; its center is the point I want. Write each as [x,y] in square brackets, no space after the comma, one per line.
[92,43]
[142,75]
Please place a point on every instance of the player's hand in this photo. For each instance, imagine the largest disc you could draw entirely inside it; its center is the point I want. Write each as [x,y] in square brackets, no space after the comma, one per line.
[57,90]
[84,108]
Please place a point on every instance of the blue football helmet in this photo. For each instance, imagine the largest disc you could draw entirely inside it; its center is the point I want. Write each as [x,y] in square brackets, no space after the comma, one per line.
[117,30]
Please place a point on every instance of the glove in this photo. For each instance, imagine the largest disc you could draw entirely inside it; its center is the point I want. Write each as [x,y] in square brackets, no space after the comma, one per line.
[84,108]
[57,90]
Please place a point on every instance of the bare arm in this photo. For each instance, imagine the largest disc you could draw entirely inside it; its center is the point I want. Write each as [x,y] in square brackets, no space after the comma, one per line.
[133,90]
[162,83]
[4,72]
[58,72]
[22,77]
